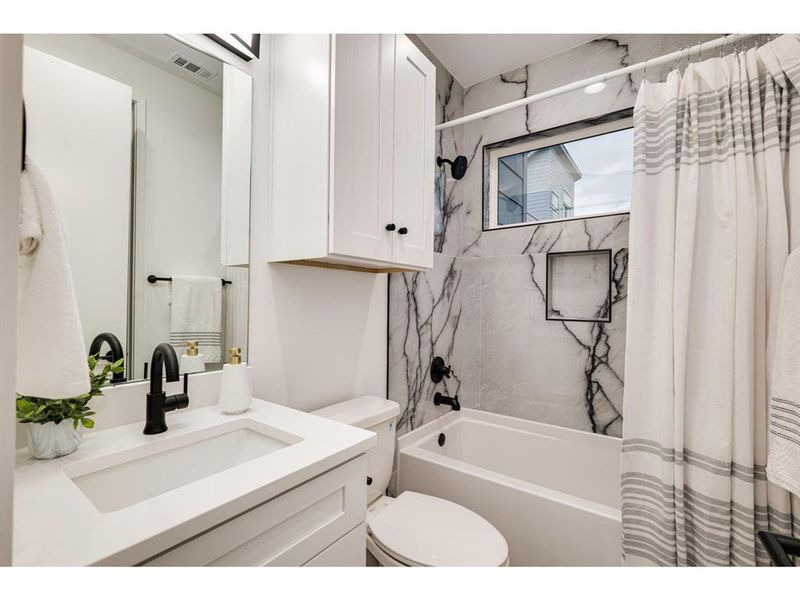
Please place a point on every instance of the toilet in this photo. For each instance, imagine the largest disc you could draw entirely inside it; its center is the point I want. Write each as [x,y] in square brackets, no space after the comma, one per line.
[413,529]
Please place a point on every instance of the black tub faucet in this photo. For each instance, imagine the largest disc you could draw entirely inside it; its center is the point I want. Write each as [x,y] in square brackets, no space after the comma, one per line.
[451,402]
[158,403]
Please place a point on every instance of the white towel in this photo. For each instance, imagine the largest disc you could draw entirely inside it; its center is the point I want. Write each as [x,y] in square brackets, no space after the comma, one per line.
[30,218]
[51,355]
[783,462]
[196,315]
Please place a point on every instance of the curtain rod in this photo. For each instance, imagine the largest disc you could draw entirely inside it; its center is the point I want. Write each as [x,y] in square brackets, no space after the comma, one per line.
[576,85]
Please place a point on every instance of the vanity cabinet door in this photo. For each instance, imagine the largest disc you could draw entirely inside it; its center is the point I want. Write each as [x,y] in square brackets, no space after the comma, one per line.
[288,530]
[413,149]
[349,551]
[361,202]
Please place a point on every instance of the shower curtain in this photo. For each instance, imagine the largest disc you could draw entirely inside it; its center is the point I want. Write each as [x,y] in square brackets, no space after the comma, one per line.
[714,213]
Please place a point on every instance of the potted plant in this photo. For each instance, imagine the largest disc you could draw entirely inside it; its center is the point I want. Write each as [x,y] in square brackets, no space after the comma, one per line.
[55,424]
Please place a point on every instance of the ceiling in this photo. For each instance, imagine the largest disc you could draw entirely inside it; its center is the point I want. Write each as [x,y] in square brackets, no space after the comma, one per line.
[157,49]
[476,57]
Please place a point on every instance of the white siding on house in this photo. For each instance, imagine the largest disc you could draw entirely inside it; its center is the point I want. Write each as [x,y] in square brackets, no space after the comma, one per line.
[547,172]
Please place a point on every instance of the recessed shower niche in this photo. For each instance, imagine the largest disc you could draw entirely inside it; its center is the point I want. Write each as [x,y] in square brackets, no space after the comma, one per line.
[579,286]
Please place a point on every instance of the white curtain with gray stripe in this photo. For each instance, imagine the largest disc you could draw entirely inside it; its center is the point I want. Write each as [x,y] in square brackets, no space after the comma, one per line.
[715,211]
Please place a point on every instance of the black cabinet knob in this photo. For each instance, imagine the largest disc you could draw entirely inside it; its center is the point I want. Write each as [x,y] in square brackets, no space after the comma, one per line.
[369,480]
[391,227]
[402,230]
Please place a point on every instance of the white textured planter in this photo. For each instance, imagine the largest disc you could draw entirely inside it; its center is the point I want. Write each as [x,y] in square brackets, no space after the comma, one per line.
[48,440]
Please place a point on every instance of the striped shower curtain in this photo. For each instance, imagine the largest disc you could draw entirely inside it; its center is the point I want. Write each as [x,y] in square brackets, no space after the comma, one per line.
[714,214]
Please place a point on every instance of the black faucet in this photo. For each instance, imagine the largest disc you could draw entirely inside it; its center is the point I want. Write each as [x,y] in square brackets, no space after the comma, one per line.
[113,355]
[158,402]
[451,402]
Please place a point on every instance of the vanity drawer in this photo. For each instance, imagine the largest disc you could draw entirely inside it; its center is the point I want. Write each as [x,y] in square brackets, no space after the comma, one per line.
[286,531]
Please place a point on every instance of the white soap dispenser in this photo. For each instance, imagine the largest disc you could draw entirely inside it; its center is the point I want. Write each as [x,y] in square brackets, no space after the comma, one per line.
[191,360]
[235,391]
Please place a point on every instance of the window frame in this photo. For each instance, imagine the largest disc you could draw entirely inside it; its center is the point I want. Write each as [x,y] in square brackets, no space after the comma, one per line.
[492,153]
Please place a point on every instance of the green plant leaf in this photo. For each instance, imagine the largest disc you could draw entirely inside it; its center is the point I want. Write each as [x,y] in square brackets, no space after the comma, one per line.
[31,409]
[26,405]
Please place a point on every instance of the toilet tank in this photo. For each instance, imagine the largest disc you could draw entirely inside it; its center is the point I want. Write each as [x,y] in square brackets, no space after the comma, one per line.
[380,416]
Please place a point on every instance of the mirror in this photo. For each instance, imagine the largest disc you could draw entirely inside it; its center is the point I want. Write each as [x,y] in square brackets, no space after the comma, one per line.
[145,142]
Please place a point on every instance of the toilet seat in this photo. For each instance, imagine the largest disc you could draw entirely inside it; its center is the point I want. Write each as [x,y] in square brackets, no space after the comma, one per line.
[420,530]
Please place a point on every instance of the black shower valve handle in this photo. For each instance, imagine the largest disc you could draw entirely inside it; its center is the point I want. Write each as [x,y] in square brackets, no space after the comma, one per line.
[440,370]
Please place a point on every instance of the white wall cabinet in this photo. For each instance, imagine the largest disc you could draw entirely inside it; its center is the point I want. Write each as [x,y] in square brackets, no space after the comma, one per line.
[352,152]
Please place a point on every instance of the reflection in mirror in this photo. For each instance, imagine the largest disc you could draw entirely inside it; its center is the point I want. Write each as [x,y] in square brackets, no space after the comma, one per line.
[145,142]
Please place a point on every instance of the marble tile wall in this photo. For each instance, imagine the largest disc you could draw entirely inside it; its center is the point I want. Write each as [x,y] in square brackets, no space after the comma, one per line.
[482,306]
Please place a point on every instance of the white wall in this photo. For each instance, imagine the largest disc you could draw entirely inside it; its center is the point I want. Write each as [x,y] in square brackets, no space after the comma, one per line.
[179,161]
[11,126]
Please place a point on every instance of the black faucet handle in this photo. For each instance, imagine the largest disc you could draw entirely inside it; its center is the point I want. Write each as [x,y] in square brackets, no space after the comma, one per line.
[179,400]
[439,370]
[175,402]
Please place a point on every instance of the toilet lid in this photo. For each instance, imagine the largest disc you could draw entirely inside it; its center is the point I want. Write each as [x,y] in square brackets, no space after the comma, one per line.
[425,530]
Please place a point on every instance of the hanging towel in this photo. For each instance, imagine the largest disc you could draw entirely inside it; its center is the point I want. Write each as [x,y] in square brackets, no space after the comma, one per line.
[51,355]
[196,315]
[783,462]
[30,218]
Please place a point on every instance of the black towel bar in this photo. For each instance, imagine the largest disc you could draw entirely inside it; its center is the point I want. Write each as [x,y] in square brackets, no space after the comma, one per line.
[153,279]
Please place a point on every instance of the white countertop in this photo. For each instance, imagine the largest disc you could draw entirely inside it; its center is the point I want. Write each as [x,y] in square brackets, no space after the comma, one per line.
[56,524]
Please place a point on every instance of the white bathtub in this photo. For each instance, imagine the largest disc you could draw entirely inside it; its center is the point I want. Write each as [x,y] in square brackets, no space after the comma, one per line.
[554,493]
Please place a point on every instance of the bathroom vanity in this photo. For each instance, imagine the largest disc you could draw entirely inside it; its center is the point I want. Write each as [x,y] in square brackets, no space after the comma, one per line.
[271,486]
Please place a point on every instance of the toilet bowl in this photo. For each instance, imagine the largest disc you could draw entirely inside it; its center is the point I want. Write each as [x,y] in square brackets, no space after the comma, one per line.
[417,530]
[413,529]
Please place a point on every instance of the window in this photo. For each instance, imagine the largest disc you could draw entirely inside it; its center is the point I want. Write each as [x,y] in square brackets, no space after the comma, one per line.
[511,191]
[576,171]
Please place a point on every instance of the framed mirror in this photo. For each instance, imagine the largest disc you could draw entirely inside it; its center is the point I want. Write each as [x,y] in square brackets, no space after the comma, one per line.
[145,142]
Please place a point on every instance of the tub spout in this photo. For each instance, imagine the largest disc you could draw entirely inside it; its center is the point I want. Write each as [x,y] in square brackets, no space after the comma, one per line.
[451,402]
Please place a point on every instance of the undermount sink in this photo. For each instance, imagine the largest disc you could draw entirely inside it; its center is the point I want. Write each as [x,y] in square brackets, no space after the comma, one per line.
[126,478]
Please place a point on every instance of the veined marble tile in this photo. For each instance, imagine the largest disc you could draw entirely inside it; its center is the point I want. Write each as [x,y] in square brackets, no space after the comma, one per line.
[449,106]
[559,372]
[434,313]
[558,236]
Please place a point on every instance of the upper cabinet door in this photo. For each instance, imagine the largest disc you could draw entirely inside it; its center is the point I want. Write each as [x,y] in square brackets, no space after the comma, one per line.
[361,198]
[414,105]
